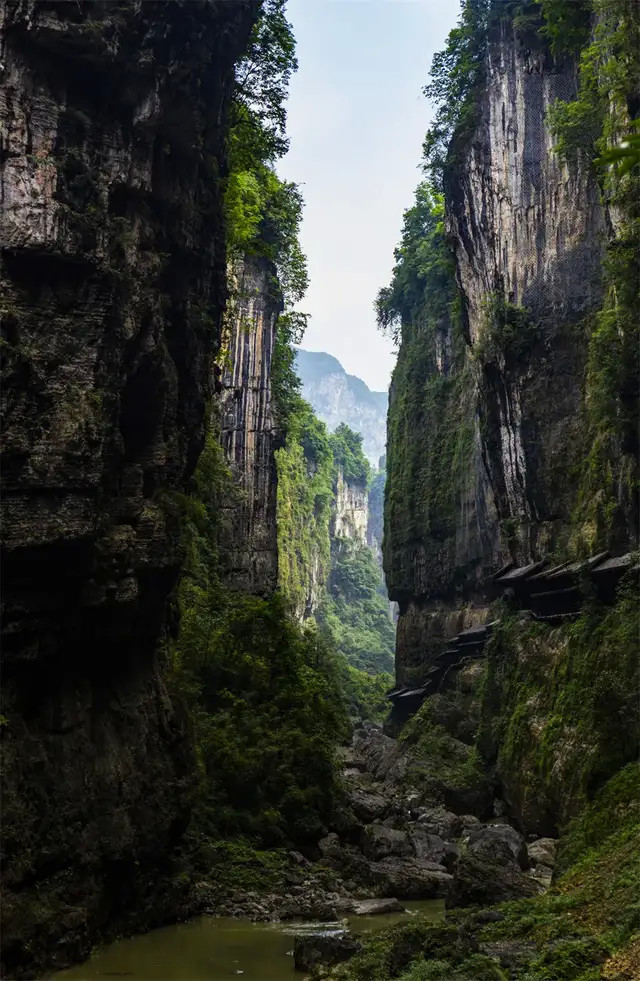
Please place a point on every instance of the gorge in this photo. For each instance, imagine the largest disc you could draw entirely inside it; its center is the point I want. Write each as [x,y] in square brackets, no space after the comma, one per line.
[197,648]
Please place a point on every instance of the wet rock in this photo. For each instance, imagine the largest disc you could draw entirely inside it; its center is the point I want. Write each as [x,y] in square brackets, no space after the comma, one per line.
[499,843]
[478,881]
[543,852]
[380,842]
[323,948]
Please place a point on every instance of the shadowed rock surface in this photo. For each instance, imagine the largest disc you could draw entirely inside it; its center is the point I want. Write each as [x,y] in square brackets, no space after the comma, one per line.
[113,284]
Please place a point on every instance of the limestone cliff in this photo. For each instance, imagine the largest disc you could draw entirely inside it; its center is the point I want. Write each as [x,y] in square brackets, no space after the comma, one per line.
[113,289]
[249,548]
[350,515]
[488,424]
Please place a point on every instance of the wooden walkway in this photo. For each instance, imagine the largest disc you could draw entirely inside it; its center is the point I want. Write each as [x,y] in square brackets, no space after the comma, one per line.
[552,594]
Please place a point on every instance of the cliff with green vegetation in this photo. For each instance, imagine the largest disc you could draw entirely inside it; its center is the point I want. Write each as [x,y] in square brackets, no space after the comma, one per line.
[151,671]
[114,163]
[513,418]
[338,397]
[513,438]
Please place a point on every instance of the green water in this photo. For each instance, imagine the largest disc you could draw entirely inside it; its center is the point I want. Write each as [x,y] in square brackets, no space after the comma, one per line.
[213,949]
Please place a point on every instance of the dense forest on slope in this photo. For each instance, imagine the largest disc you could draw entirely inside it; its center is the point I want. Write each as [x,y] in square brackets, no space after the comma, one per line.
[264,684]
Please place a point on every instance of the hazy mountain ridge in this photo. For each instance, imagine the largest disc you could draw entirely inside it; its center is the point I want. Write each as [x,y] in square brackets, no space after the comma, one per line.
[339,397]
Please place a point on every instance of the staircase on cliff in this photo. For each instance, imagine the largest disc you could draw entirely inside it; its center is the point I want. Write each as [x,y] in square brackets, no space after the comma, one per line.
[551,595]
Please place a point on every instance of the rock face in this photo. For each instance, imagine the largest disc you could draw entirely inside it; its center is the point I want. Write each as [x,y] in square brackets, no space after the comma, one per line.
[249,546]
[527,225]
[113,289]
[338,397]
[529,233]
[350,516]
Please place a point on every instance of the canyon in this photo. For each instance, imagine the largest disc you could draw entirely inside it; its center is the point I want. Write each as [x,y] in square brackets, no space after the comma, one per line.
[197,645]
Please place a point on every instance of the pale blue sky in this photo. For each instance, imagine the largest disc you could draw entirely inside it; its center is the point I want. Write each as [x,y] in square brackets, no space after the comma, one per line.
[356,121]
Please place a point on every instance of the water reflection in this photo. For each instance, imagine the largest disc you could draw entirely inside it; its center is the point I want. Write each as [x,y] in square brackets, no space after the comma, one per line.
[213,949]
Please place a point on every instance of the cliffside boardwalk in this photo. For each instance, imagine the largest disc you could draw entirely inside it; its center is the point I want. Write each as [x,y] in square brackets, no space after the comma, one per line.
[209,581]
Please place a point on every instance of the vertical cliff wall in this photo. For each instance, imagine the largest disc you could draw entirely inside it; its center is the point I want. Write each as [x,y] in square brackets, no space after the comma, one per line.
[249,547]
[529,233]
[113,288]
[350,514]
[490,422]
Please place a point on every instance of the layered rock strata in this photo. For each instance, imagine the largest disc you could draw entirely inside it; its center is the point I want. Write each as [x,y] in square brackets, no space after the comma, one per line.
[249,547]
[113,289]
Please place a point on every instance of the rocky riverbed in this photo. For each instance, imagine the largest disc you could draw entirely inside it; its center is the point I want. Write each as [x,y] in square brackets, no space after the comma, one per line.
[395,844]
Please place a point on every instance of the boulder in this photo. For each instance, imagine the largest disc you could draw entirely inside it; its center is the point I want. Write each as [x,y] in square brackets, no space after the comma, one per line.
[374,907]
[330,846]
[437,821]
[409,878]
[499,843]
[478,881]
[542,873]
[468,823]
[313,949]
[432,848]
[543,852]
[299,859]
[367,805]
[381,756]
[380,842]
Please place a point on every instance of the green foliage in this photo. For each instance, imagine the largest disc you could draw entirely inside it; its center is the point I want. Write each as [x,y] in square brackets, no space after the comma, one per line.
[566,24]
[366,694]
[430,421]
[237,865]
[305,494]
[507,332]
[355,611]
[456,77]
[614,807]
[262,77]
[596,123]
[562,706]
[564,934]
[262,692]
[442,764]
[626,155]
[423,274]
[263,212]
[285,384]
[346,447]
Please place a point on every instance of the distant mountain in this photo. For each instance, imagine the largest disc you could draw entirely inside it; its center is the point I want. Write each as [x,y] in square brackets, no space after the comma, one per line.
[338,397]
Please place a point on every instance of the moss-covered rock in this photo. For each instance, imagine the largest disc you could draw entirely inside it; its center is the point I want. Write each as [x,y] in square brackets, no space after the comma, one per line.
[561,710]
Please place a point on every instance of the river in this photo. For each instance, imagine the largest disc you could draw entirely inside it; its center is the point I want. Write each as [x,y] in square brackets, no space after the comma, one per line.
[212,949]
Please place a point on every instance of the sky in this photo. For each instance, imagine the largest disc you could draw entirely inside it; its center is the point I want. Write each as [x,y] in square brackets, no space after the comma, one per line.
[356,122]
